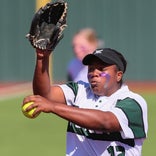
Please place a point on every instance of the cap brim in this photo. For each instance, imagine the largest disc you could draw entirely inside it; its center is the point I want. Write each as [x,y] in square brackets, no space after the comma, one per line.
[91,57]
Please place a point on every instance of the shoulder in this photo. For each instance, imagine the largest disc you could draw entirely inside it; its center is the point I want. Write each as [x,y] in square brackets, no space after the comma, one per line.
[78,86]
[137,96]
[129,104]
[75,86]
[128,99]
[75,90]
[138,99]
[124,93]
[136,115]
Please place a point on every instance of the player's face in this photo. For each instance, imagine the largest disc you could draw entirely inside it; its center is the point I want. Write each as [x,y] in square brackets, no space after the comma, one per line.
[104,79]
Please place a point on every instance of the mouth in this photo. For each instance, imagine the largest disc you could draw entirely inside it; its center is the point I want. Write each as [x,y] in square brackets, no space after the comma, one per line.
[94,84]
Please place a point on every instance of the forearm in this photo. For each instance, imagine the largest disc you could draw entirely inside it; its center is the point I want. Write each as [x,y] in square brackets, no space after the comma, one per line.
[88,118]
[41,79]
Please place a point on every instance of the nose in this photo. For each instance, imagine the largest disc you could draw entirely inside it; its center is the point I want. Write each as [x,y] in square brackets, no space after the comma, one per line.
[93,74]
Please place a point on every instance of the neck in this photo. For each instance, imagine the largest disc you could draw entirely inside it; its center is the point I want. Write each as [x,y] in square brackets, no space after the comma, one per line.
[112,90]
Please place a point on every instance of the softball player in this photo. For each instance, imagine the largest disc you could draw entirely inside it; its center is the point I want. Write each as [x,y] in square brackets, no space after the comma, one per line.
[105,117]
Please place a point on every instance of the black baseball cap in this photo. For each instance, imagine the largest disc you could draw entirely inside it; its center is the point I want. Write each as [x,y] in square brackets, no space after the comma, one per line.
[108,56]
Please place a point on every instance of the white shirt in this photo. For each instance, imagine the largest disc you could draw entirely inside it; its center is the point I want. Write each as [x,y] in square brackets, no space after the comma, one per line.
[129,108]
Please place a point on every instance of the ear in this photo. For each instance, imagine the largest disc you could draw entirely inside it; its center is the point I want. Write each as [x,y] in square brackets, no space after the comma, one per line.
[119,76]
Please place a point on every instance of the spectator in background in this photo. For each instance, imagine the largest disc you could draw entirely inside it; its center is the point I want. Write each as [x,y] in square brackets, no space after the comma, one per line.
[84,42]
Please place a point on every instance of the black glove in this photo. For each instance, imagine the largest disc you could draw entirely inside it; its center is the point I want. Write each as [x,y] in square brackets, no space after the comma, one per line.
[47,26]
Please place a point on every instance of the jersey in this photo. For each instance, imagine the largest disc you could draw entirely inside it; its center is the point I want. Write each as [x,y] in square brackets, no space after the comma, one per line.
[130,110]
[77,71]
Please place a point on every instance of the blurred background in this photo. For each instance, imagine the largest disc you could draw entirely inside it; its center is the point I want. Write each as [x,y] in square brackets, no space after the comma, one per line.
[128,26]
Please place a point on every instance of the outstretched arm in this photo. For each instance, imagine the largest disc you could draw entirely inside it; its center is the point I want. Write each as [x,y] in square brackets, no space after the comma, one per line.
[41,80]
[87,118]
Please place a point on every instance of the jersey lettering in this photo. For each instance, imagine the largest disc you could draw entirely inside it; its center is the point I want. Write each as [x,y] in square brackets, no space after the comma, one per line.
[119,150]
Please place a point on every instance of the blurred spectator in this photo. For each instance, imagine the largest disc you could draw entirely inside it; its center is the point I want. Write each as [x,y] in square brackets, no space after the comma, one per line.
[84,42]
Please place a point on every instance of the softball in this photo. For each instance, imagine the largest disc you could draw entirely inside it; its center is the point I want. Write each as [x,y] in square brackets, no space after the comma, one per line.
[29,114]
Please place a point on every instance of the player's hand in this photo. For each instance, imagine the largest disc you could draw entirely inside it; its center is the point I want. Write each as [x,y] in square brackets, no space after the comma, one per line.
[40,103]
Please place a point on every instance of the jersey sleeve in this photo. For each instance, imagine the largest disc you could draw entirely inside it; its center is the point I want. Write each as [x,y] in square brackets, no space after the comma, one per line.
[70,92]
[130,116]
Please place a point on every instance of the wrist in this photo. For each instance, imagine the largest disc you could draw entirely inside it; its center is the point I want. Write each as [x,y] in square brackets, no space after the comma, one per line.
[40,54]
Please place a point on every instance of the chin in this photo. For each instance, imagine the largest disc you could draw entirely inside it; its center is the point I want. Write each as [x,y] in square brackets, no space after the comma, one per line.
[96,92]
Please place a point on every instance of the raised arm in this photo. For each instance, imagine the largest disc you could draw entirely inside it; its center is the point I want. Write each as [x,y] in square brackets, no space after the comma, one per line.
[41,81]
[45,33]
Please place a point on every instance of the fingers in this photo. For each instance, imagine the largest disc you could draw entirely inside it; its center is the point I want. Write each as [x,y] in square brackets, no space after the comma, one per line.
[30,110]
[31,98]
[39,103]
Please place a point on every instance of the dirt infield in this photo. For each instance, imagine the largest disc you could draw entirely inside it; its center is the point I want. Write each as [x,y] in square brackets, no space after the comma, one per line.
[143,87]
[12,89]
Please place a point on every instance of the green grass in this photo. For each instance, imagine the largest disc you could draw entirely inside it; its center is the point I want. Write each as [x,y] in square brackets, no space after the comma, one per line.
[20,136]
[150,142]
[45,135]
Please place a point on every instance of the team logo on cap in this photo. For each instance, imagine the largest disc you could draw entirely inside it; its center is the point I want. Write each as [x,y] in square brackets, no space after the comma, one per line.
[99,51]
